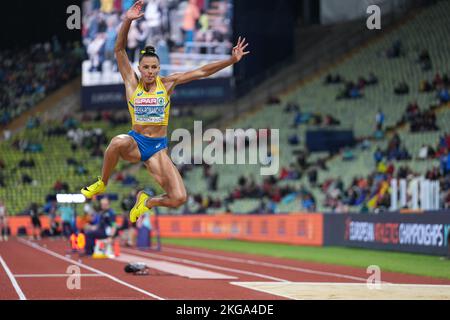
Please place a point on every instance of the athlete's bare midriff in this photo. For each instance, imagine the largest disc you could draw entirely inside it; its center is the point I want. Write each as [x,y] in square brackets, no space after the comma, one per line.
[151,131]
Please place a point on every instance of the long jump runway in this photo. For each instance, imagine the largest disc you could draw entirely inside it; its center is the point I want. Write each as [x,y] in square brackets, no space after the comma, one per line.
[43,270]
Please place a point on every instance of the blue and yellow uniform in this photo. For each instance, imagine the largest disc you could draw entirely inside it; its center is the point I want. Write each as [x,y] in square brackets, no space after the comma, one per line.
[149,108]
[146,108]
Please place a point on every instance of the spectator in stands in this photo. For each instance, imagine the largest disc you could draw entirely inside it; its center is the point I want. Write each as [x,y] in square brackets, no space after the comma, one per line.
[437,81]
[443,95]
[33,122]
[329,120]
[312,177]
[308,202]
[330,79]
[111,35]
[401,89]
[379,119]
[378,155]
[60,186]
[348,155]
[27,179]
[95,51]
[425,60]
[80,170]
[3,222]
[425,86]
[445,162]
[423,153]
[293,140]
[129,180]
[191,15]
[351,91]
[291,107]
[354,92]
[25,163]
[412,110]
[134,37]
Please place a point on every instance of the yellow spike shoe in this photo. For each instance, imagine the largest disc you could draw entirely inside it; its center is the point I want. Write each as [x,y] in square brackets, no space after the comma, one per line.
[94,189]
[139,208]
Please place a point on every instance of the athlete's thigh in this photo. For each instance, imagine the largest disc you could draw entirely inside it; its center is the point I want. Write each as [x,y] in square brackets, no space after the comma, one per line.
[164,171]
[128,147]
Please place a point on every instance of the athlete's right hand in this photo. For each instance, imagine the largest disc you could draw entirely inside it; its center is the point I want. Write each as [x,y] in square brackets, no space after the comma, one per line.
[135,11]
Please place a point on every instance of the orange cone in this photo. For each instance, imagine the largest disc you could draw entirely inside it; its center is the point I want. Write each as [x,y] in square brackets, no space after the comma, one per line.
[116,248]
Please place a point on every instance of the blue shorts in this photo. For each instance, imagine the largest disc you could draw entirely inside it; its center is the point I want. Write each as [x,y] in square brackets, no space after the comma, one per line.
[148,146]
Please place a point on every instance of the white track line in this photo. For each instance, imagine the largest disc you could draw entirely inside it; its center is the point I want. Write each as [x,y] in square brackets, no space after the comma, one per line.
[242,285]
[56,255]
[53,275]
[207,265]
[265,264]
[13,280]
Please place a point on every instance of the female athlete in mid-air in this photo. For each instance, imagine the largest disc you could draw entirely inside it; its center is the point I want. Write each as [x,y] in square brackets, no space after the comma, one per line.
[149,104]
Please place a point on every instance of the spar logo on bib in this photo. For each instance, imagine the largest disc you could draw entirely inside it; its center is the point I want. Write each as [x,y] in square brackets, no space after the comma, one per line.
[149,102]
[146,102]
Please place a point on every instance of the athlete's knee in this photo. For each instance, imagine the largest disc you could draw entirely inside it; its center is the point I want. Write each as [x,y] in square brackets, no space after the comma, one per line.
[179,198]
[118,143]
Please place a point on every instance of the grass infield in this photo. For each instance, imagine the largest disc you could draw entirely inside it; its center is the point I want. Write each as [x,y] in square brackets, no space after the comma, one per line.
[416,264]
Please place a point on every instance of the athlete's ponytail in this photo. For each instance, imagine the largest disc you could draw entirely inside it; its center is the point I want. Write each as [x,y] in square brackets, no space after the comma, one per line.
[148,51]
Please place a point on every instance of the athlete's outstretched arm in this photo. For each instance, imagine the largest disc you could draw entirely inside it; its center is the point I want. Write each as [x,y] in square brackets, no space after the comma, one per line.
[127,72]
[209,69]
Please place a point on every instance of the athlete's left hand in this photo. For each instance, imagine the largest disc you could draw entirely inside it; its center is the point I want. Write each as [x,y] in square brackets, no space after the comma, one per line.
[238,51]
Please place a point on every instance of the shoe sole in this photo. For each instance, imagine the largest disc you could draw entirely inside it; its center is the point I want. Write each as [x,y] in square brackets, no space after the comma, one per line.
[90,197]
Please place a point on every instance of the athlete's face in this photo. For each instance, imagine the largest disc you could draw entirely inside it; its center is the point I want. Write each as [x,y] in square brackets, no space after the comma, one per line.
[149,69]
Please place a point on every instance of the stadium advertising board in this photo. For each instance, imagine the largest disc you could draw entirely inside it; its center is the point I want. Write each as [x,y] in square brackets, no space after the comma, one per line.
[419,233]
[303,229]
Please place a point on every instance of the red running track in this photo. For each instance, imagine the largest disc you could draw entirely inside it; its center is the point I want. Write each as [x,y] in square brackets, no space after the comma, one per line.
[40,272]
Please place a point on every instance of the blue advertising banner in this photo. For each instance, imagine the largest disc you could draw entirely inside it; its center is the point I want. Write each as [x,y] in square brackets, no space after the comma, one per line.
[425,233]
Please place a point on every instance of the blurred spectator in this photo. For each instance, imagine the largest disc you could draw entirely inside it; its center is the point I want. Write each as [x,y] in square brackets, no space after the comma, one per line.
[330,79]
[102,226]
[291,107]
[443,95]
[3,222]
[105,208]
[67,215]
[348,155]
[401,88]
[379,119]
[378,155]
[191,14]
[425,60]
[425,86]
[34,214]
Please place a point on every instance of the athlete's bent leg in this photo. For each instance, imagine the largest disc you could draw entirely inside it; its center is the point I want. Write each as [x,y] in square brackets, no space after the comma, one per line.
[166,174]
[121,146]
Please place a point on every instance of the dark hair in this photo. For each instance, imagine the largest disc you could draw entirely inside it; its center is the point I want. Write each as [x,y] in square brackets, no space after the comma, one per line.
[148,51]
